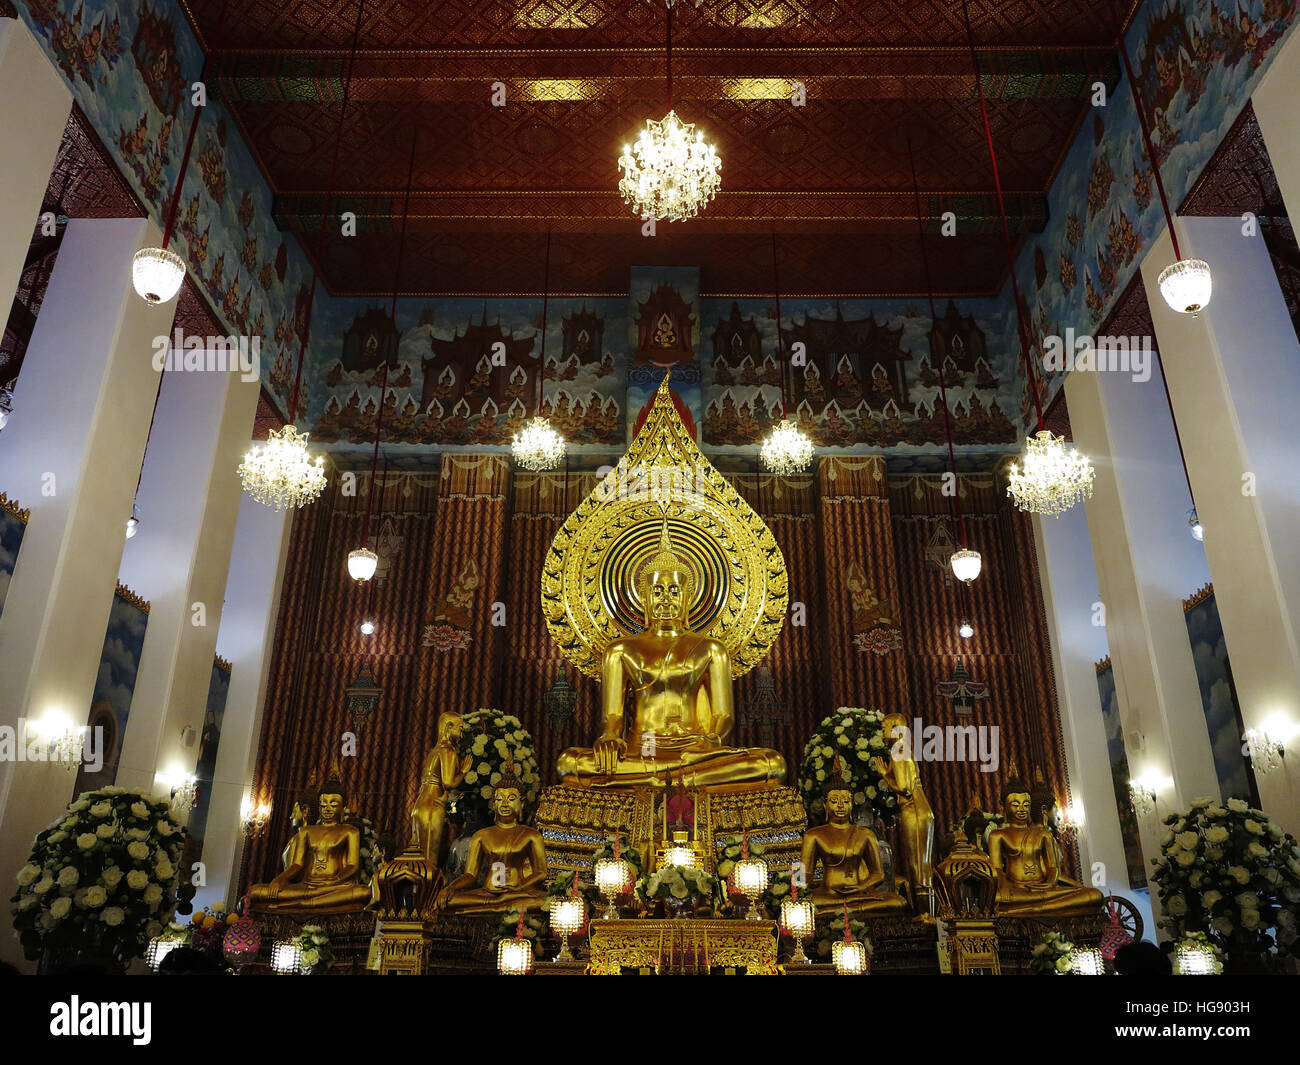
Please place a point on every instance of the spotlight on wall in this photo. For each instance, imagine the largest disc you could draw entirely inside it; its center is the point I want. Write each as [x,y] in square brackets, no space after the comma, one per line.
[367,628]
[966,630]
[1194,524]
[133,522]
[6,405]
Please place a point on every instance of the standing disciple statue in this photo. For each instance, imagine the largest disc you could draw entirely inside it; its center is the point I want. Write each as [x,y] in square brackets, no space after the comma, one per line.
[915,817]
[443,772]
[322,872]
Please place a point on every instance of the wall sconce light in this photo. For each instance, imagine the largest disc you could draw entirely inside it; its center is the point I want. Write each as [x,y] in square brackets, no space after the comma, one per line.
[1266,745]
[254,819]
[64,743]
[183,789]
[1143,791]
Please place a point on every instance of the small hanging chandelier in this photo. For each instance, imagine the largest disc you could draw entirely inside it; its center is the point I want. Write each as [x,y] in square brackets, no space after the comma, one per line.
[281,473]
[672,172]
[966,564]
[538,446]
[1050,477]
[1186,284]
[362,564]
[787,448]
[156,274]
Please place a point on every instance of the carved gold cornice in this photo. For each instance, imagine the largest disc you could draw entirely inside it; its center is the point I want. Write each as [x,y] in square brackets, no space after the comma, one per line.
[221,663]
[125,593]
[1103,665]
[1198,597]
[11,505]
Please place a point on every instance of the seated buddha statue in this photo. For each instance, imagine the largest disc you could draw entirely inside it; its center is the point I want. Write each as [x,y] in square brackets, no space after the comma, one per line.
[850,857]
[680,685]
[322,871]
[443,771]
[1026,859]
[506,865]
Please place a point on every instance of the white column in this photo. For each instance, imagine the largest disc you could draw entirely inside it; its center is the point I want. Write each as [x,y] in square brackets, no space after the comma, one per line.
[245,641]
[37,105]
[1146,562]
[71,452]
[1071,594]
[1234,375]
[1274,101]
[178,560]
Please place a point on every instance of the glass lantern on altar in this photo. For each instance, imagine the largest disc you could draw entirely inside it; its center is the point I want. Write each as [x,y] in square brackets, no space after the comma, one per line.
[286,956]
[799,918]
[850,958]
[613,878]
[514,957]
[568,917]
[749,877]
[159,948]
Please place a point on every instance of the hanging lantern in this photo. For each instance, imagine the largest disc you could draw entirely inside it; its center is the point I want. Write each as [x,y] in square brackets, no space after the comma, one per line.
[361,697]
[1050,478]
[362,564]
[1186,285]
[280,473]
[157,274]
[672,172]
[787,449]
[966,564]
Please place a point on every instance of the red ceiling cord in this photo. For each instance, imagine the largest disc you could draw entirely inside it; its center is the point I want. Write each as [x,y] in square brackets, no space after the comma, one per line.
[546,301]
[1002,212]
[668,54]
[780,342]
[325,209]
[955,504]
[394,340]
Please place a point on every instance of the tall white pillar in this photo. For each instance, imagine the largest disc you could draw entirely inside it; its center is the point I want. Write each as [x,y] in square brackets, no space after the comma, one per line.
[178,560]
[71,453]
[1234,375]
[245,641]
[1146,562]
[1274,101]
[1071,593]
[31,125]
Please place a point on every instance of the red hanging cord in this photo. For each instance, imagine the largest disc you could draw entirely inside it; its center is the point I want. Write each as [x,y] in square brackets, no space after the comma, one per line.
[1122,45]
[955,503]
[668,54]
[1002,212]
[546,300]
[780,341]
[394,341]
[325,210]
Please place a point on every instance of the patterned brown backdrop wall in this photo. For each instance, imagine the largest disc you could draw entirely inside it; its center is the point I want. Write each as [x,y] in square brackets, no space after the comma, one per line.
[873,623]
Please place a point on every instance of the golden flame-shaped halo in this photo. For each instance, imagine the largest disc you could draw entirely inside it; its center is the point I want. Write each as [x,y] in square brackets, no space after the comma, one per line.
[741,589]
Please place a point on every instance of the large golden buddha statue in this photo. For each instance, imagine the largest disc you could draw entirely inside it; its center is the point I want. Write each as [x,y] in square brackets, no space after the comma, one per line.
[679,682]
[322,871]
[1025,858]
[852,873]
[506,865]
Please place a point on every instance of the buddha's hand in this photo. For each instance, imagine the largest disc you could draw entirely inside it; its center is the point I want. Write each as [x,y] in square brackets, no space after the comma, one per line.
[608,751]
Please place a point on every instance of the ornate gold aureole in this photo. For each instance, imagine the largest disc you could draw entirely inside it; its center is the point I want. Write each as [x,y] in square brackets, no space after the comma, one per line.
[589,582]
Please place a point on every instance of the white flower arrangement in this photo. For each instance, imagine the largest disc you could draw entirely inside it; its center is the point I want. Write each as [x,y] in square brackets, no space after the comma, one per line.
[678,885]
[490,736]
[857,737]
[1226,873]
[314,955]
[92,883]
[1051,956]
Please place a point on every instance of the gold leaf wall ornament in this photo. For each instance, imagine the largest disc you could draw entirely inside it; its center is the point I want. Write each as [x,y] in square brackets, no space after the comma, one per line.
[589,593]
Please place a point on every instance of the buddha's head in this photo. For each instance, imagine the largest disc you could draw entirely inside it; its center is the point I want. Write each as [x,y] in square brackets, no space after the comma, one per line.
[839,805]
[508,795]
[1016,800]
[330,804]
[450,726]
[666,584]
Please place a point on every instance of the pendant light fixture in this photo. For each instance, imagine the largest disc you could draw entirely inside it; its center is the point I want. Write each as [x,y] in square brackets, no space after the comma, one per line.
[362,562]
[966,563]
[1050,478]
[538,446]
[281,473]
[672,172]
[787,448]
[157,273]
[1185,283]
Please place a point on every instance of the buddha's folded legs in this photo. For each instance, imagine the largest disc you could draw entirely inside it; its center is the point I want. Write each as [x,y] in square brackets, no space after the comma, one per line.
[725,765]
[482,900]
[304,897]
[1061,899]
[882,904]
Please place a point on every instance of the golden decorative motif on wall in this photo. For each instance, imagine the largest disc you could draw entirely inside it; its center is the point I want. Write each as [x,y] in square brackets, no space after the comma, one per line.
[23,514]
[1198,597]
[449,627]
[589,594]
[875,620]
[221,664]
[125,593]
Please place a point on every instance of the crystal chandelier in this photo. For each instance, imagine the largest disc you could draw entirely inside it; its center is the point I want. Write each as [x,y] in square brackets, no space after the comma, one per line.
[1186,285]
[787,449]
[538,446]
[1050,478]
[157,274]
[672,172]
[280,473]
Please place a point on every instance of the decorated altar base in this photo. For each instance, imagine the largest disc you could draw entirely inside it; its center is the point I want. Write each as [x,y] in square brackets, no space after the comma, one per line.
[350,934]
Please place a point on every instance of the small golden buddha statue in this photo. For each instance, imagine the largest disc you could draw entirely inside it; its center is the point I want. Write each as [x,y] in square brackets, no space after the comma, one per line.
[322,872]
[680,683]
[506,865]
[915,817]
[1026,859]
[850,858]
[443,771]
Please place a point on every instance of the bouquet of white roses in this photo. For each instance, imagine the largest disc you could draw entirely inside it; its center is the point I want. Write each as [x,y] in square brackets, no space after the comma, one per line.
[1051,956]
[679,886]
[314,954]
[1226,871]
[831,930]
[857,737]
[102,876]
[488,737]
